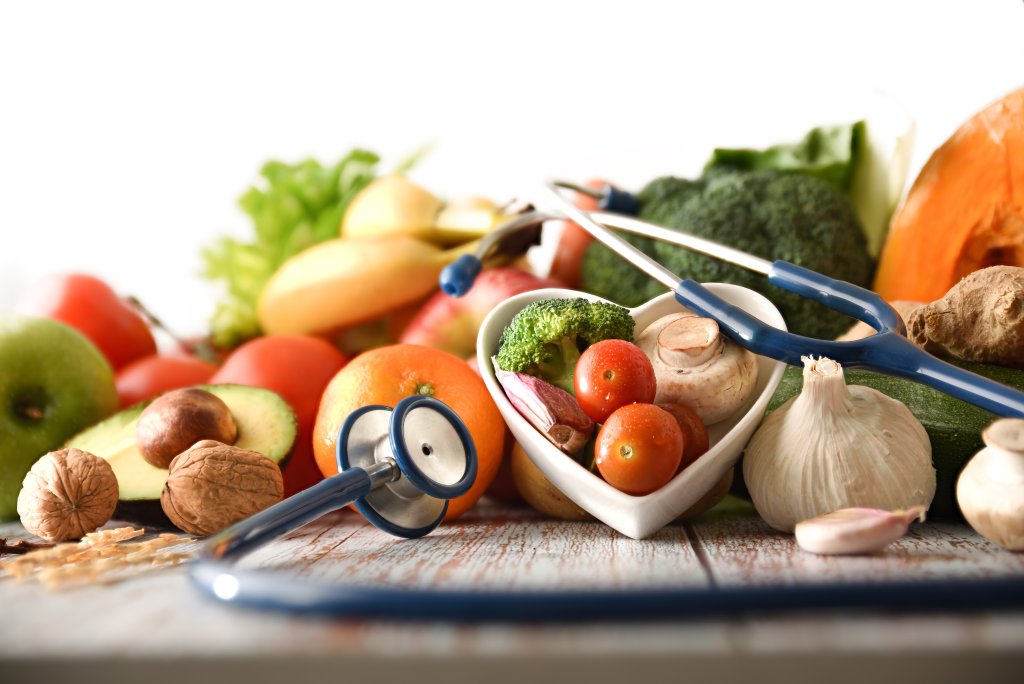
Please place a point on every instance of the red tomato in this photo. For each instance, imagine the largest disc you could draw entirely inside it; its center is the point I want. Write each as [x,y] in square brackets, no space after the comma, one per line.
[695,433]
[611,374]
[638,449]
[92,308]
[574,242]
[298,367]
[153,375]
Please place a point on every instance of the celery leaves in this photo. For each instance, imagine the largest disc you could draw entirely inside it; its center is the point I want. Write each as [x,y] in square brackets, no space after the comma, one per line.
[297,206]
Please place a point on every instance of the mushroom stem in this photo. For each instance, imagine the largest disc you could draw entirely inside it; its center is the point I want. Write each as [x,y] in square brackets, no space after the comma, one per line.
[689,341]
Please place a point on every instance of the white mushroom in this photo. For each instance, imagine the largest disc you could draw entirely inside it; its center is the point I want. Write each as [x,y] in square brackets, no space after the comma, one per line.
[697,366]
[990,489]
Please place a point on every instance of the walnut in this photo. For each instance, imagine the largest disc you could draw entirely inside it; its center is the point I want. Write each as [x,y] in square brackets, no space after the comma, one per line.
[213,485]
[67,494]
[179,419]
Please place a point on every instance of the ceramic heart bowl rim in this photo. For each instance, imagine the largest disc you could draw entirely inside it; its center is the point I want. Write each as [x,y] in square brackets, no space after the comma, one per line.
[636,516]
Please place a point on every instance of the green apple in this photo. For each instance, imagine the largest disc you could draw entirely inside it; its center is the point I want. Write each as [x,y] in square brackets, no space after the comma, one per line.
[53,383]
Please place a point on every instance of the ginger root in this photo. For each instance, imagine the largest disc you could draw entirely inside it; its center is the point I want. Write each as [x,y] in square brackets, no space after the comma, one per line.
[981,318]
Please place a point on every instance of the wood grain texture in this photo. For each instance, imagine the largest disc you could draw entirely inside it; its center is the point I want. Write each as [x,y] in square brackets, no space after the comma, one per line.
[746,551]
[159,615]
[513,551]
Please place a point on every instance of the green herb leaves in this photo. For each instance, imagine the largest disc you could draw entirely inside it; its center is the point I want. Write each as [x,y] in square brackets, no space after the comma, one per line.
[298,206]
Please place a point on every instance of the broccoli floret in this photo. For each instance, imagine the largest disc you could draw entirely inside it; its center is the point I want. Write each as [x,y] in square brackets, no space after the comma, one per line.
[546,338]
[772,214]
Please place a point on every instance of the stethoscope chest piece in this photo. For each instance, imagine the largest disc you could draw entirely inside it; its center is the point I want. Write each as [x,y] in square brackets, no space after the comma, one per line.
[422,453]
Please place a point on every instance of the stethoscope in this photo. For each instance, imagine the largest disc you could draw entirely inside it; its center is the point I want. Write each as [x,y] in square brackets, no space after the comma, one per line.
[887,351]
[400,466]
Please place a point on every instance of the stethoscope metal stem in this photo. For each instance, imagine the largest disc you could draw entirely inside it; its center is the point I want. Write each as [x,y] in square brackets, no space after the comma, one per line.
[697,244]
[597,222]
[382,472]
[613,241]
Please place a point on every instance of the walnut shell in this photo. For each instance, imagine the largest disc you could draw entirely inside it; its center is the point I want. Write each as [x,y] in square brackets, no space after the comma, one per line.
[67,494]
[213,485]
[180,418]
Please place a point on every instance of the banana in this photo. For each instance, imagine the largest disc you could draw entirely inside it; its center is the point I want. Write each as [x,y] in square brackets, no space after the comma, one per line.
[343,282]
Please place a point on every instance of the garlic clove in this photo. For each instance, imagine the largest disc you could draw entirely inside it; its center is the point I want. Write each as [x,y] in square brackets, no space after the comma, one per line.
[855,530]
[550,409]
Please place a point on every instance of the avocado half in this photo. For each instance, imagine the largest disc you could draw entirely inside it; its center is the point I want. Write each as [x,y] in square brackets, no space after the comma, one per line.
[266,424]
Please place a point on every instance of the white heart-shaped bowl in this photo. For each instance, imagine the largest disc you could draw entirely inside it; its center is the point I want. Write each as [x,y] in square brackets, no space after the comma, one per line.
[636,516]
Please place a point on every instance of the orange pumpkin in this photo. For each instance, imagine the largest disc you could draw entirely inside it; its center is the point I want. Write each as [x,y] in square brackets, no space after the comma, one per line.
[964,212]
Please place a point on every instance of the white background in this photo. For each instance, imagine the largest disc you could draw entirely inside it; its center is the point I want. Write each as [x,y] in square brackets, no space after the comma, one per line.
[128,129]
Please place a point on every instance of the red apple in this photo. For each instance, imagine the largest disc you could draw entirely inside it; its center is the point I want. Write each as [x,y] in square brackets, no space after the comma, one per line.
[91,307]
[451,323]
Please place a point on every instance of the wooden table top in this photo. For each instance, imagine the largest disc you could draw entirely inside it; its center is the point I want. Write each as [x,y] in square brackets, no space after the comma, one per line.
[159,616]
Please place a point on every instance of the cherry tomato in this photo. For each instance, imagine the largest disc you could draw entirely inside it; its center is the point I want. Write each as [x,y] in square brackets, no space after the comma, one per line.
[611,374]
[298,367]
[638,449]
[695,433]
[91,307]
[153,375]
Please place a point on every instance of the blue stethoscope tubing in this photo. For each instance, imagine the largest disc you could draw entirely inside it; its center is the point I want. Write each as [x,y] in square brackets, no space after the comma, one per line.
[282,592]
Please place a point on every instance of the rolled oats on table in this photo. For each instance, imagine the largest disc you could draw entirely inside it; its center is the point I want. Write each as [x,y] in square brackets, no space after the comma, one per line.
[104,556]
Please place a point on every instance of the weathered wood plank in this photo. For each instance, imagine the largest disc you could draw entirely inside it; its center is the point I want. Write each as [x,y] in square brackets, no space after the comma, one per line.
[497,552]
[745,550]
[160,615]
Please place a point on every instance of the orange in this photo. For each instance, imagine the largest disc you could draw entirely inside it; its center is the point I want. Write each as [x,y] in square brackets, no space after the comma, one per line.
[387,375]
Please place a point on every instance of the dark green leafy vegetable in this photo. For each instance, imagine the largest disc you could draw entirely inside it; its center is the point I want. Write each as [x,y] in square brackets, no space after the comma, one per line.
[830,153]
[772,214]
[298,206]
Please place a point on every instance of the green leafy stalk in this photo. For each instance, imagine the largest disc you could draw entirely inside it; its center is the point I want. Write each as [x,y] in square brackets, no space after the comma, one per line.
[829,152]
[296,207]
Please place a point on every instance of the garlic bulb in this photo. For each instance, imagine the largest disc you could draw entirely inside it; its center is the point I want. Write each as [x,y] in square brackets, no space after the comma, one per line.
[990,490]
[697,366]
[833,447]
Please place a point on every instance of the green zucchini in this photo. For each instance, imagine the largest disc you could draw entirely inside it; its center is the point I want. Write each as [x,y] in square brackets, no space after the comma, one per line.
[954,426]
